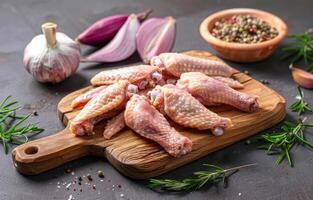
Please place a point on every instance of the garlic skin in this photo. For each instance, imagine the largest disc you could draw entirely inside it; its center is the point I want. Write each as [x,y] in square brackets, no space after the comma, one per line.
[301,77]
[51,57]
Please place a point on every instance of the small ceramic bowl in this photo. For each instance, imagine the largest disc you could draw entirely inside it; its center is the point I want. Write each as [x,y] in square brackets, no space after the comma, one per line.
[244,52]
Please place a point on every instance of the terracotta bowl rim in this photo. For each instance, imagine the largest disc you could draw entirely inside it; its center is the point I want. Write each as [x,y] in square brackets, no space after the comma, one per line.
[206,34]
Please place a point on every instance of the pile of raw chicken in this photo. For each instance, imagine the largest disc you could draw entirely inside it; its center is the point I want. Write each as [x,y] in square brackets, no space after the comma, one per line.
[179,87]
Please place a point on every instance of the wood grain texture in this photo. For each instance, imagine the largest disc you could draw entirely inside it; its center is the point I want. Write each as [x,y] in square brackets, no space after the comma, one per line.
[140,158]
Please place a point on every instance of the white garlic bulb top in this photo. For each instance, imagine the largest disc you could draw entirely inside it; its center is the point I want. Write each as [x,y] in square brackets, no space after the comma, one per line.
[51,58]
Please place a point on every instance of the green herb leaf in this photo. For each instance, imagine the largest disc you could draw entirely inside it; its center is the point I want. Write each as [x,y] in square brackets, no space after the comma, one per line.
[283,141]
[13,128]
[300,48]
[213,175]
[300,105]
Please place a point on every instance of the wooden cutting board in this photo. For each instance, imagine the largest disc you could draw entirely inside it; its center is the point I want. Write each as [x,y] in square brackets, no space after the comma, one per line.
[138,157]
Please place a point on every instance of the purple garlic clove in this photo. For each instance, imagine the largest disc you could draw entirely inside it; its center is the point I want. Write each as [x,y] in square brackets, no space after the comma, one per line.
[301,77]
[155,36]
[103,30]
[122,46]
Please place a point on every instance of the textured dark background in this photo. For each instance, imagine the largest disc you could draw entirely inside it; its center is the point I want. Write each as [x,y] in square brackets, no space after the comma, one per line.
[20,21]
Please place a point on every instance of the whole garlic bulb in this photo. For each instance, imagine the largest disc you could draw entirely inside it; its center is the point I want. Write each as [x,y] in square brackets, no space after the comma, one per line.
[51,56]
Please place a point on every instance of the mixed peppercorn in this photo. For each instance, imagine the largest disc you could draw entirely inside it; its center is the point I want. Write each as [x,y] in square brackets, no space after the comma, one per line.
[88,182]
[243,29]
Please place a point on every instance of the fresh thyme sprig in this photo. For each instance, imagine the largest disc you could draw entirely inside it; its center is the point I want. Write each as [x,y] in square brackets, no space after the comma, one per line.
[301,48]
[281,143]
[12,127]
[300,105]
[213,175]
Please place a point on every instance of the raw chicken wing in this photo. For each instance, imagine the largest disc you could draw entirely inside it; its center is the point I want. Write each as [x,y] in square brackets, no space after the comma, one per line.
[145,120]
[105,105]
[141,75]
[211,92]
[176,64]
[185,110]
[115,125]
[82,99]
[229,81]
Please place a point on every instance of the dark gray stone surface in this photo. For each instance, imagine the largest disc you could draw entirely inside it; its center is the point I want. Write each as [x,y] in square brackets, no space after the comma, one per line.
[20,21]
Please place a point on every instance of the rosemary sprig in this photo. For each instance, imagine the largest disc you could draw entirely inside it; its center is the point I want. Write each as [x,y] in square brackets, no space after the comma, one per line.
[12,127]
[281,143]
[301,48]
[213,175]
[300,105]
[7,108]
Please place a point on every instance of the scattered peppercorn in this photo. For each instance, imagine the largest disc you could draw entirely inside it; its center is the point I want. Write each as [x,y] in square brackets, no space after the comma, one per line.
[89,177]
[100,174]
[35,113]
[265,81]
[94,187]
[119,186]
[79,178]
[243,29]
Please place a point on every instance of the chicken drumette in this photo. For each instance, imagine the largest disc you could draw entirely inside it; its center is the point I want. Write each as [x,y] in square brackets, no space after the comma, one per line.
[210,91]
[175,64]
[185,110]
[148,122]
[105,105]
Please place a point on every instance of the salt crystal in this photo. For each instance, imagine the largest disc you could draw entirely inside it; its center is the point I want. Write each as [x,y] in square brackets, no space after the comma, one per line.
[68,185]
[70,197]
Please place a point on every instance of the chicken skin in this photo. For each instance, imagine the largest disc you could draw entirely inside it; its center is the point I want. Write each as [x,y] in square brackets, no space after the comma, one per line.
[141,75]
[176,64]
[115,125]
[145,120]
[212,92]
[229,81]
[105,105]
[83,99]
[185,110]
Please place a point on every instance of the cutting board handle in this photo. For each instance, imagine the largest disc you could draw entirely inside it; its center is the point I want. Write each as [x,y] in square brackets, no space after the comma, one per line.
[49,152]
